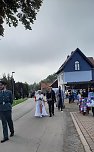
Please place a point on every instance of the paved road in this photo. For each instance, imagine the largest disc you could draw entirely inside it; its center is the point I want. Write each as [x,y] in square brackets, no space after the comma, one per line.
[49,134]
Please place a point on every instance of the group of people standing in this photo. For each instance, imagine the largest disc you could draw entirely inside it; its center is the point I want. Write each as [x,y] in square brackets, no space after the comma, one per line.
[50,97]
[86,100]
[6,100]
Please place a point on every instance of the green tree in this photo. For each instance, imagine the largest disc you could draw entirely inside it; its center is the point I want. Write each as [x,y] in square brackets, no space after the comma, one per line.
[21,90]
[50,79]
[7,79]
[37,86]
[14,11]
[25,89]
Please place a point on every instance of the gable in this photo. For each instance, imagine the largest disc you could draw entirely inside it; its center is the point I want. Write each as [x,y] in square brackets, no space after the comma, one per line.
[83,64]
[69,64]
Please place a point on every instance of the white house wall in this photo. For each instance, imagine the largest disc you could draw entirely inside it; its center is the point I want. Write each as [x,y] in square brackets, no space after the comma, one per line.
[77,76]
[60,79]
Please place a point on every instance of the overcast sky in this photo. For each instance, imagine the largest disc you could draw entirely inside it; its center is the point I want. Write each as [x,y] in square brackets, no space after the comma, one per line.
[61,27]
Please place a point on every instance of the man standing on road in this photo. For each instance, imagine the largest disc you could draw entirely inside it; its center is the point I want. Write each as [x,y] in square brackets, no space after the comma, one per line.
[51,99]
[60,98]
[6,101]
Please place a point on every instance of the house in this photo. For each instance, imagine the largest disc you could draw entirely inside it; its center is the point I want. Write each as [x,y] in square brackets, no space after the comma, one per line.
[44,86]
[77,71]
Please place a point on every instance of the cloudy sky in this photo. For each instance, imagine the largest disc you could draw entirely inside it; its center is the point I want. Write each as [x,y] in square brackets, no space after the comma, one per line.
[61,27]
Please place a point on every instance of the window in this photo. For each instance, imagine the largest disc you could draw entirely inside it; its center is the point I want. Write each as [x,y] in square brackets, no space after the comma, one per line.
[77,66]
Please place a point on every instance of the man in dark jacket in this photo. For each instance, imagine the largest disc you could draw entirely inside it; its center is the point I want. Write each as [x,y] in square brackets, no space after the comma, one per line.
[50,95]
[6,101]
[60,98]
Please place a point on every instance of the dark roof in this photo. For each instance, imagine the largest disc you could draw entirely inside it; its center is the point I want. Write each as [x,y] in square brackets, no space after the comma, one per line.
[91,60]
[54,84]
[88,59]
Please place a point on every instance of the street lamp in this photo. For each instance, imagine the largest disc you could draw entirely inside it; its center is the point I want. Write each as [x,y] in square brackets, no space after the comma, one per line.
[13,85]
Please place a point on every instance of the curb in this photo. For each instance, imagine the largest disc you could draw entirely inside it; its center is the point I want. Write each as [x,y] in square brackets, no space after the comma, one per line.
[83,140]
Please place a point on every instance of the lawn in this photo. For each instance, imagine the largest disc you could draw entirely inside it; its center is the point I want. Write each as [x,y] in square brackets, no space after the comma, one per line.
[15,102]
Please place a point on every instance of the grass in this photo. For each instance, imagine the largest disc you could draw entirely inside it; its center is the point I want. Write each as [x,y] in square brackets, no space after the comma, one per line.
[15,102]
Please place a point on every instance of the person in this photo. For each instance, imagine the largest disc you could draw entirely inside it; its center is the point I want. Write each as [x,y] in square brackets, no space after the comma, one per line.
[40,107]
[44,113]
[44,98]
[50,95]
[70,97]
[6,101]
[79,99]
[91,97]
[60,97]
[78,96]
[85,93]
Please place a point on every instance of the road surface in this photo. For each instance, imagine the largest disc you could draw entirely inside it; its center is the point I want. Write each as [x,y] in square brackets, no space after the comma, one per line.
[47,134]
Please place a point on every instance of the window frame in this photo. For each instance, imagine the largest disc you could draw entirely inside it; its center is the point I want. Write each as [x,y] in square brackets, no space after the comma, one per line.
[77,66]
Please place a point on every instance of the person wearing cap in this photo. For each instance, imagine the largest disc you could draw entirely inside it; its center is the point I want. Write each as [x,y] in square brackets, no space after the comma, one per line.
[6,101]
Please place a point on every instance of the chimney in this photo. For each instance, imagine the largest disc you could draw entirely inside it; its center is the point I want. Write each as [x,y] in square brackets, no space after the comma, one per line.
[67,56]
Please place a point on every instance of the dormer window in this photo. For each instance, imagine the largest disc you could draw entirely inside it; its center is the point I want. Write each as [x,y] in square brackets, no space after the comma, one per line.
[77,65]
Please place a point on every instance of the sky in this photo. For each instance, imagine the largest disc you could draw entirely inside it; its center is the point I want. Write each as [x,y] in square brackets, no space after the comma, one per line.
[60,28]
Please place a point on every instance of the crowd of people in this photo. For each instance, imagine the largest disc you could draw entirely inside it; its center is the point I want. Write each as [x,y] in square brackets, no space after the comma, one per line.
[6,100]
[85,100]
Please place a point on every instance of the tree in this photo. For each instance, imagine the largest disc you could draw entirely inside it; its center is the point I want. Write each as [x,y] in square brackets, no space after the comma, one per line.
[50,79]
[21,90]
[13,11]
[37,86]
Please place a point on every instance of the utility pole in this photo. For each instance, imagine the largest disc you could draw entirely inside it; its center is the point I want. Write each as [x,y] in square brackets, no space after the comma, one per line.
[13,85]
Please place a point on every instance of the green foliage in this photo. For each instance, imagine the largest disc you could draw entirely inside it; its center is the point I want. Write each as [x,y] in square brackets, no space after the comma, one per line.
[7,79]
[14,11]
[15,102]
[21,90]
[35,86]
[50,79]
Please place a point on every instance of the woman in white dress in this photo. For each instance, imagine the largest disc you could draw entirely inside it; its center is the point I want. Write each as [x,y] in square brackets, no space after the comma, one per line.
[40,107]
[44,113]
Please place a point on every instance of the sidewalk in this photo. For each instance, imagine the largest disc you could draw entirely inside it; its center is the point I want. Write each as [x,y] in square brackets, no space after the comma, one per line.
[84,126]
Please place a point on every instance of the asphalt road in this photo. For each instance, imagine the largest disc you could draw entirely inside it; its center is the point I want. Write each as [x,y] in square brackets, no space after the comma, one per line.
[34,134]
[47,134]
